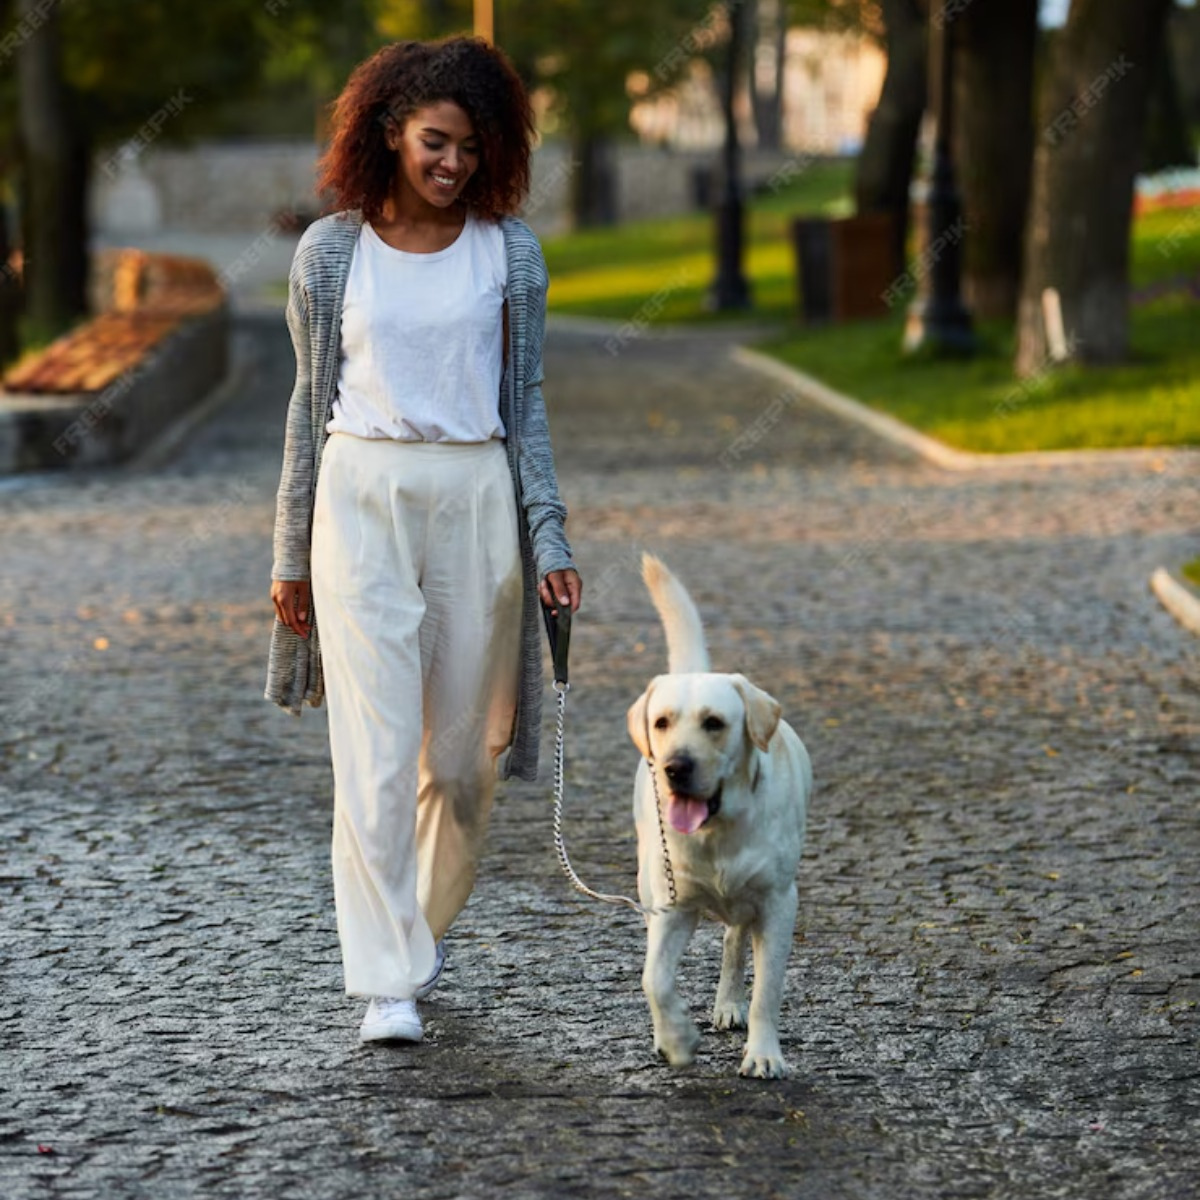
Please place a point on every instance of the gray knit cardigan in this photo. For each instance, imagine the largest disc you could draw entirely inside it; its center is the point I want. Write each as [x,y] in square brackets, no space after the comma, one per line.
[316,287]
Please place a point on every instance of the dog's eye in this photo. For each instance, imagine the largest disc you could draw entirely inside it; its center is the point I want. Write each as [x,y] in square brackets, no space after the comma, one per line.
[713,724]
[661,723]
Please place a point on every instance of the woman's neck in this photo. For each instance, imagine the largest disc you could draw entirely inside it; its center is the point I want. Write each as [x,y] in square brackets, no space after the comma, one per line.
[419,227]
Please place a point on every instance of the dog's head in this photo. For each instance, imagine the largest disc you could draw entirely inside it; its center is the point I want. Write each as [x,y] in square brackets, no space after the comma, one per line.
[700,733]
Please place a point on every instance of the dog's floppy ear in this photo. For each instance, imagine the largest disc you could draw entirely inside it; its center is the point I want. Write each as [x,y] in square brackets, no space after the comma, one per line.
[762,711]
[638,721]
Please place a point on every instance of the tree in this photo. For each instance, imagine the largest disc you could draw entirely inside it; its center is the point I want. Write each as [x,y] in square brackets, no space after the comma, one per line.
[85,83]
[1089,145]
[55,173]
[10,291]
[585,52]
[768,50]
[1168,136]
[994,58]
[885,166]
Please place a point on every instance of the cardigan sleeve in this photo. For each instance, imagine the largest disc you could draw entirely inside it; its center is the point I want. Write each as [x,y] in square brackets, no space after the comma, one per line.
[545,512]
[294,499]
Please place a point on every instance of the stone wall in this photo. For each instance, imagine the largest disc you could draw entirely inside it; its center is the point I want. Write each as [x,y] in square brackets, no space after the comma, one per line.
[211,187]
[222,188]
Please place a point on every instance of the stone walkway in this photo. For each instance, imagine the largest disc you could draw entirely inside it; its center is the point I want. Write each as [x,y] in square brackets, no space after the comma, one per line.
[994,984]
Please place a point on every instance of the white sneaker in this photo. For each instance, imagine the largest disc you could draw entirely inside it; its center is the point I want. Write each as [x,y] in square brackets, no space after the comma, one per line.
[391,1020]
[439,964]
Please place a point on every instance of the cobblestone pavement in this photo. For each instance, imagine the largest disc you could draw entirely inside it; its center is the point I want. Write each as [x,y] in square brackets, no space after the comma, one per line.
[994,983]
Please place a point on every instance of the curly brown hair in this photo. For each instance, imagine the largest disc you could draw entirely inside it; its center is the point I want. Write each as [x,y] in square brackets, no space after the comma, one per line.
[358,170]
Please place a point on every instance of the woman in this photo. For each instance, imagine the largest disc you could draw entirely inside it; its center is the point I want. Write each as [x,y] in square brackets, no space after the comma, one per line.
[418,512]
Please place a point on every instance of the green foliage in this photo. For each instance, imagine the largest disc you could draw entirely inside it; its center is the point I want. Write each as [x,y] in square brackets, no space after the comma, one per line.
[586,50]
[856,16]
[173,71]
[1191,572]
[320,42]
[124,61]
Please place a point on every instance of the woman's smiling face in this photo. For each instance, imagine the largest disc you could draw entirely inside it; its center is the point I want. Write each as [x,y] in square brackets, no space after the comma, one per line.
[438,151]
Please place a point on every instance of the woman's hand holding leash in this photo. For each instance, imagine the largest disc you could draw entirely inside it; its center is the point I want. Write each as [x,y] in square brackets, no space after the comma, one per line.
[561,587]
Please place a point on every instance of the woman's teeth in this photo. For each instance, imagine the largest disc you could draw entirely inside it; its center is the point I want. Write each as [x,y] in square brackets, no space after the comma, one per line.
[443,180]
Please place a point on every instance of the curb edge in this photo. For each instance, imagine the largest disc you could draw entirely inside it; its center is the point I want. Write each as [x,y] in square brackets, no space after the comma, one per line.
[936,452]
[1176,599]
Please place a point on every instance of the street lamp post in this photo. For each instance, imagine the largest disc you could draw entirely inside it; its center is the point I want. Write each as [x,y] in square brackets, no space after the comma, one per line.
[485,22]
[938,320]
[730,289]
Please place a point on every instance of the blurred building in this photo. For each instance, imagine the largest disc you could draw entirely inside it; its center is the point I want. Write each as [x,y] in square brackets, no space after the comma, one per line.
[831,83]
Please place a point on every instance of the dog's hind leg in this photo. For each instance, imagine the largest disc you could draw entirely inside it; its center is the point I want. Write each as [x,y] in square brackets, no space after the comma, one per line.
[730,1007]
[675,1034]
[772,942]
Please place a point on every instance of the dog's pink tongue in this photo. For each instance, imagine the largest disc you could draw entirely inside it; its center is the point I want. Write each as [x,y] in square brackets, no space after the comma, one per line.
[686,814]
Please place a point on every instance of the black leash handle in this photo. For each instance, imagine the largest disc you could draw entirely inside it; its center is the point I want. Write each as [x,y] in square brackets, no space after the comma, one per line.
[558,630]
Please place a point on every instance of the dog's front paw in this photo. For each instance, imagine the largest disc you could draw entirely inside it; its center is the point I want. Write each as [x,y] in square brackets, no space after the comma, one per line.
[730,1014]
[678,1045]
[763,1066]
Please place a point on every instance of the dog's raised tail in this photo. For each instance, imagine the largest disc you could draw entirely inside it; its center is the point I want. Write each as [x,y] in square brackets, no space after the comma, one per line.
[686,648]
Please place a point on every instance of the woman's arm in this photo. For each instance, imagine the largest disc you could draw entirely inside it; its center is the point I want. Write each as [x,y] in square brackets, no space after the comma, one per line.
[293,500]
[544,510]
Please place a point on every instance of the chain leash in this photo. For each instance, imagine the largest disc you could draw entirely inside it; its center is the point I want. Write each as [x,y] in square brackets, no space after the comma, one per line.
[561,689]
[662,836]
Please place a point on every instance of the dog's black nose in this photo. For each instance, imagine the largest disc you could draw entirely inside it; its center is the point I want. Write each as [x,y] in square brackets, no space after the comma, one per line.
[678,770]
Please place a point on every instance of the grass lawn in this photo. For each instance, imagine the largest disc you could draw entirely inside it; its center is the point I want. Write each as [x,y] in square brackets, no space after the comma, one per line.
[978,404]
[660,271]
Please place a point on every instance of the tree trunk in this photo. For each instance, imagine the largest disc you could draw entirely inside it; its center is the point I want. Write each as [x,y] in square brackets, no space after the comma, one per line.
[594,184]
[1183,42]
[10,296]
[885,166]
[1168,138]
[994,145]
[767,52]
[1089,148]
[10,290]
[55,192]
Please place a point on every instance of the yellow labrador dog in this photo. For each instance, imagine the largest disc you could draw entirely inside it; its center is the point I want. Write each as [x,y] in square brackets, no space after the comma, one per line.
[733,781]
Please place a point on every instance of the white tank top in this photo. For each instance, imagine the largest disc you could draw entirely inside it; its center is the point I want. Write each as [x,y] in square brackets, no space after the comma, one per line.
[422,339]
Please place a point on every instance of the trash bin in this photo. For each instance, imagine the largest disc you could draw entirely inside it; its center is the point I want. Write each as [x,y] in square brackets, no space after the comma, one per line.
[844,266]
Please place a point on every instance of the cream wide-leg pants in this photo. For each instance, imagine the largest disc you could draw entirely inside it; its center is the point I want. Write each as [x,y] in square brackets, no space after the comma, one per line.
[417,587]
